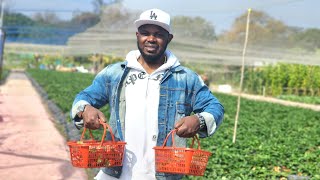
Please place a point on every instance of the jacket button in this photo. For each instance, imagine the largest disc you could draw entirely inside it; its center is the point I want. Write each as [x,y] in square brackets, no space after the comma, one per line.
[154,137]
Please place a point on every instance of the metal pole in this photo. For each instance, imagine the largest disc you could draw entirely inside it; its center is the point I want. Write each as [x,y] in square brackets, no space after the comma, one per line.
[2,38]
[1,16]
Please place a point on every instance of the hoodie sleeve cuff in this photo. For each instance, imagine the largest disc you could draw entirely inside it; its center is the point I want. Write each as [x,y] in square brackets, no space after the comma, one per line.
[210,126]
[76,108]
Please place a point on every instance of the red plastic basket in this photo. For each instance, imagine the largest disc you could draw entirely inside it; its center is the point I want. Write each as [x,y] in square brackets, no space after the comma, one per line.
[95,154]
[178,160]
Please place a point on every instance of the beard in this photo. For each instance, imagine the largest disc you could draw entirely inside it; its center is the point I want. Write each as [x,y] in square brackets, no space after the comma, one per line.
[154,57]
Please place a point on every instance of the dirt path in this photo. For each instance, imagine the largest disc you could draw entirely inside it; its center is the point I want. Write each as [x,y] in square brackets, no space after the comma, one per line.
[279,101]
[31,148]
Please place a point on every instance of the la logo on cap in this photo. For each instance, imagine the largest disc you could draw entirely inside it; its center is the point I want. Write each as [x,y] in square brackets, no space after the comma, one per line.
[153,15]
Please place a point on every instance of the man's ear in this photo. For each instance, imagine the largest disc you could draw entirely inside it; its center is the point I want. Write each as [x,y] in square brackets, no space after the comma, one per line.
[137,34]
[170,38]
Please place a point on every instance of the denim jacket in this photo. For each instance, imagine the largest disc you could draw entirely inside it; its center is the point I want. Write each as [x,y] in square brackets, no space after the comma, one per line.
[182,92]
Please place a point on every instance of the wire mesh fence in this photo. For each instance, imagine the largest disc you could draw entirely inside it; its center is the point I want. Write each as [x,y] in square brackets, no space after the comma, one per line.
[114,36]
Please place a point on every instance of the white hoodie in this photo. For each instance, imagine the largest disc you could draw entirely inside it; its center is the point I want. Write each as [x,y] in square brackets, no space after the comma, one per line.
[141,119]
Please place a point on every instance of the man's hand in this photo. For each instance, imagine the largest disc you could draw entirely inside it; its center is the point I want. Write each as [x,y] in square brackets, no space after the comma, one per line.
[91,117]
[187,126]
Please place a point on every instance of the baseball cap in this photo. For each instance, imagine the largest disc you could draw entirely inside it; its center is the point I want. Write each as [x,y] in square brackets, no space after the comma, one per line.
[156,17]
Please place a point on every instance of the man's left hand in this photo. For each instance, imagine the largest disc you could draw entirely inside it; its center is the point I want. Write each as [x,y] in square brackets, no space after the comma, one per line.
[187,126]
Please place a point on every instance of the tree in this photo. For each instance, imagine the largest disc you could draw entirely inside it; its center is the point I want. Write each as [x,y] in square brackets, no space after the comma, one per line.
[264,30]
[193,27]
[117,17]
[46,18]
[308,39]
[13,24]
[98,4]
[85,19]
[15,19]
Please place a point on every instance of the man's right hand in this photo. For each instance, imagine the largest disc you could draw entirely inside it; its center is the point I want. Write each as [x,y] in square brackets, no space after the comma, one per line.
[91,116]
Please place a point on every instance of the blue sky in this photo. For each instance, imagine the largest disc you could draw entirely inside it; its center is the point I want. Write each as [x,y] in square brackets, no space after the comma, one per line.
[222,13]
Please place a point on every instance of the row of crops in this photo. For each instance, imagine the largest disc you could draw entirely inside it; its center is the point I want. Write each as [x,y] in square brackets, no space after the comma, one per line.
[296,82]
[273,141]
[3,74]
[284,79]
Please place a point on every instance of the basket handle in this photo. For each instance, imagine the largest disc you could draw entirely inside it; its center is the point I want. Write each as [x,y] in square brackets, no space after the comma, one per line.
[195,137]
[105,127]
[172,132]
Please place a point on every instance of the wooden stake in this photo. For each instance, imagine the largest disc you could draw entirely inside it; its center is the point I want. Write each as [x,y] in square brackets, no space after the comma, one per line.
[241,78]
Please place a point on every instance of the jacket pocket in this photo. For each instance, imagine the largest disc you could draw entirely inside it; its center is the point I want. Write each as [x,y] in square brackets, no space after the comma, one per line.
[182,110]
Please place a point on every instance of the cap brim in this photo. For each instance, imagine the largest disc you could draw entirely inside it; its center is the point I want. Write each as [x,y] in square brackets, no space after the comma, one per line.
[139,23]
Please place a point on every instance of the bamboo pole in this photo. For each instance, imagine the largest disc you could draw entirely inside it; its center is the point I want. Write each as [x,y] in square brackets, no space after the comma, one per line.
[241,78]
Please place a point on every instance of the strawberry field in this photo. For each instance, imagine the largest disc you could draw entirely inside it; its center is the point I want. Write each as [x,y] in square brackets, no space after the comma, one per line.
[273,141]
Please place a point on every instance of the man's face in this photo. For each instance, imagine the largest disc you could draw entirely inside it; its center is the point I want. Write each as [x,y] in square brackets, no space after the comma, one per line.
[152,41]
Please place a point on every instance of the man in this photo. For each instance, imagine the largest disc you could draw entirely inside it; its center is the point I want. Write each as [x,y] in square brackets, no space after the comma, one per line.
[149,95]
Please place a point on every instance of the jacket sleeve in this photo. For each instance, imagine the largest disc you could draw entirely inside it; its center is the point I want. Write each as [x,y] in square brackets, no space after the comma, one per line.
[95,95]
[209,107]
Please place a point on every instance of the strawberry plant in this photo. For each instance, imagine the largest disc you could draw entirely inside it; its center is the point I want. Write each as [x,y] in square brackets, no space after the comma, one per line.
[273,141]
